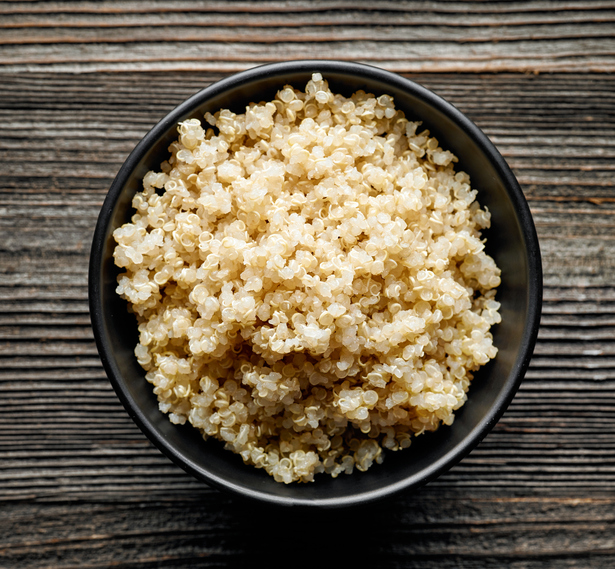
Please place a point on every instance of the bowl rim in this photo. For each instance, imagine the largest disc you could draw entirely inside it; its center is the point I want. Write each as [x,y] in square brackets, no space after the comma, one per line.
[528,233]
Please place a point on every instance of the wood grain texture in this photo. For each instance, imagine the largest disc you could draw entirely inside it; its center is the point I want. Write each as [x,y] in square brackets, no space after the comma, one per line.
[446,531]
[82,82]
[229,36]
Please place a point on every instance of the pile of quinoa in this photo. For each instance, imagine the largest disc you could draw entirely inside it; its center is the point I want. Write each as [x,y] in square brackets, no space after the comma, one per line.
[310,281]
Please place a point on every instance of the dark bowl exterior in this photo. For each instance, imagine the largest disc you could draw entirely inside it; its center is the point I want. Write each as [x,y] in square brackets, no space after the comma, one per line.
[512,241]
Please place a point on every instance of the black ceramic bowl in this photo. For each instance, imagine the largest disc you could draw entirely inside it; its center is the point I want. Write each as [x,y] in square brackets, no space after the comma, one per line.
[511,241]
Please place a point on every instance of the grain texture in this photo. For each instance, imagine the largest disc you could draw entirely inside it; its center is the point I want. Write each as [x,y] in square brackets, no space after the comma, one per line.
[230,36]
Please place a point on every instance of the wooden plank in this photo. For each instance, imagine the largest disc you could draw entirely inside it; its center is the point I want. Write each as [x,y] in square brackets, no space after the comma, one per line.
[401,36]
[369,28]
[449,529]
[301,6]
[577,55]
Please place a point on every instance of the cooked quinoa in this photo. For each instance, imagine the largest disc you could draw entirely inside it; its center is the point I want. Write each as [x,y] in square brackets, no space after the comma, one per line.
[310,281]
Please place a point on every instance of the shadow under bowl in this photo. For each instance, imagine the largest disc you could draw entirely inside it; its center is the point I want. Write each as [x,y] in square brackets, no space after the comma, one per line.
[511,241]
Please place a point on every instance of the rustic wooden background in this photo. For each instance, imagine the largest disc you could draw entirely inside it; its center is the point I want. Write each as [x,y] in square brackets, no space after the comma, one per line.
[82,82]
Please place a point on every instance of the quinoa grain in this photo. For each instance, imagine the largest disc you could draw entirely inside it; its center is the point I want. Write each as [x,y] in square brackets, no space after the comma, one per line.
[310,281]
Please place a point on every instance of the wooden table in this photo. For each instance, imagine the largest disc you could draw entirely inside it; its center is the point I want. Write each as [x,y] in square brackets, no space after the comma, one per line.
[82,82]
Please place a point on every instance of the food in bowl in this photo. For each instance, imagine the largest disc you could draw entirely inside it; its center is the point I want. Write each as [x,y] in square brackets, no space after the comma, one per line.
[310,282]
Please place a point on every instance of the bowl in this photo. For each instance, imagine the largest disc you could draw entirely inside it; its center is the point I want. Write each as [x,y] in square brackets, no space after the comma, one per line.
[511,241]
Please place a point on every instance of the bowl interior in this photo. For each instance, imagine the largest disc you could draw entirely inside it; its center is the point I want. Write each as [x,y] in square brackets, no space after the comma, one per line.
[511,241]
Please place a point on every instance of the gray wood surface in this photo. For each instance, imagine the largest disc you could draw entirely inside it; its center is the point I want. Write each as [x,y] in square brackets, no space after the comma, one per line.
[82,82]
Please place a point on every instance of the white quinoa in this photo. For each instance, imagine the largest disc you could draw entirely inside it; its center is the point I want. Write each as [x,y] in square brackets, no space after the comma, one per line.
[310,281]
